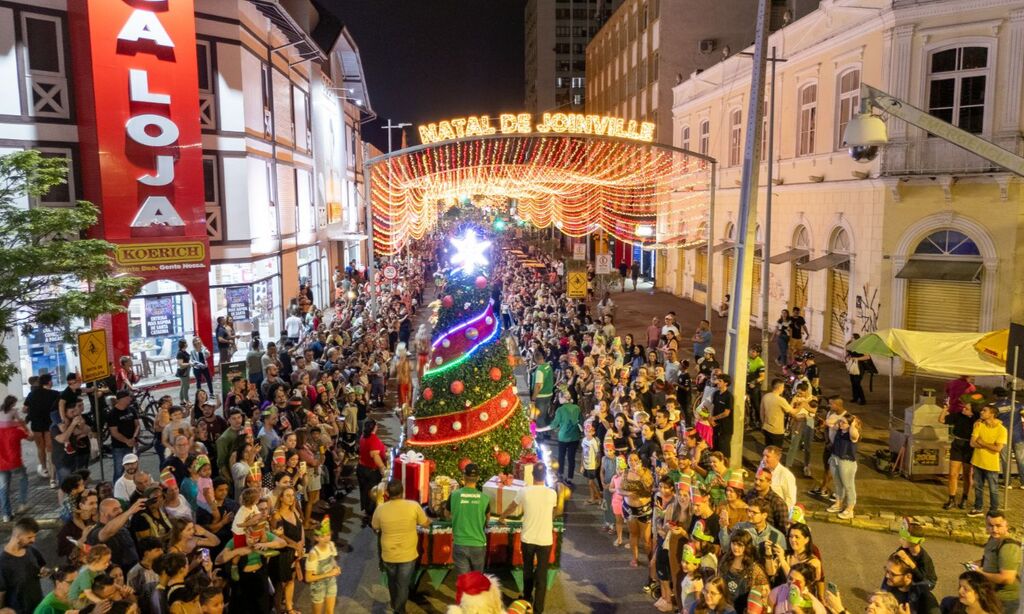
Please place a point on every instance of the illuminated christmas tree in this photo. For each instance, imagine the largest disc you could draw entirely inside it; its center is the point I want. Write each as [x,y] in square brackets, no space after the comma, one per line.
[468,410]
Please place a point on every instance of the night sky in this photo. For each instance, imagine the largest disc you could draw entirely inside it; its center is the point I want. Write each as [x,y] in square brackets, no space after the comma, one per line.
[427,60]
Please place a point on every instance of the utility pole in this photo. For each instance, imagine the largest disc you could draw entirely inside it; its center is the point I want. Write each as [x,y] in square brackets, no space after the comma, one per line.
[766,335]
[738,334]
[389,127]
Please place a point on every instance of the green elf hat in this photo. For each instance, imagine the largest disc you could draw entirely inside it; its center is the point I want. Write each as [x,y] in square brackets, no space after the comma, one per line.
[699,534]
[201,461]
[324,528]
[798,515]
[620,462]
[690,555]
[911,532]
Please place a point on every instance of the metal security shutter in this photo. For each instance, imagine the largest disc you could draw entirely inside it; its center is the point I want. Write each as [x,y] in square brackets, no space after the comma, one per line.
[680,269]
[839,290]
[755,288]
[728,268]
[798,293]
[943,306]
[700,270]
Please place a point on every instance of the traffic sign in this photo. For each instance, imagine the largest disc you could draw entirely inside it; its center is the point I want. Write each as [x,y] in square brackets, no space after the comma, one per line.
[92,352]
[579,251]
[390,272]
[603,264]
[576,284]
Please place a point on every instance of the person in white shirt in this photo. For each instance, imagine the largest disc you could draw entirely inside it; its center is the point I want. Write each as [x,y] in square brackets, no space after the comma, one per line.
[293,327]
[539,505]
[670,324]
[124,487]
[783,480]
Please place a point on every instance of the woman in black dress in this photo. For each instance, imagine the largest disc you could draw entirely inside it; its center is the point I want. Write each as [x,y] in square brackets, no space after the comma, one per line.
[287,524]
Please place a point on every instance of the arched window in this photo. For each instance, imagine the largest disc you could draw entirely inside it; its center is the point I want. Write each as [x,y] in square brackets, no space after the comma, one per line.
[847,103]
[957,81]
[840,242]
[807,120]
[735,137]
[801,239]
[684,138]
[730,232]
[945,243]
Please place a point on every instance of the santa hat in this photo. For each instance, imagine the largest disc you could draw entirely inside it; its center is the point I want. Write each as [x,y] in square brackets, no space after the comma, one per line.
[167,478]
[476,593]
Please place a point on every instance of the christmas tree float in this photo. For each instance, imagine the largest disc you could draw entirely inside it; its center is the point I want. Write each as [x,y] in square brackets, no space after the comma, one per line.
[468,410]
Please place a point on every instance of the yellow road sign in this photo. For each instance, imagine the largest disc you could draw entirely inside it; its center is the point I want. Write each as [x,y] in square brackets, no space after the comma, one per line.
[576,284]
[92,352]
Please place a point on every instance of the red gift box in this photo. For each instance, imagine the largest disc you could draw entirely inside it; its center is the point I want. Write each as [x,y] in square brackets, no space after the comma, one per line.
[412,469]
[441,549]
[499,549]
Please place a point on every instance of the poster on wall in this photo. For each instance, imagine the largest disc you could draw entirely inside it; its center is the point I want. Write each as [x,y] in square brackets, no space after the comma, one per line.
[160,316]
[239,301]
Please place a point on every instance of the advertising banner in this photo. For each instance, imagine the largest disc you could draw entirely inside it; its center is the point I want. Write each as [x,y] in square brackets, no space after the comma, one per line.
[239,302]
[160,316]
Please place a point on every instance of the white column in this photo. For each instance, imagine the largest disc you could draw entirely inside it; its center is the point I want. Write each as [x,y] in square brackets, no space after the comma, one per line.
[1009,120]
[899,73]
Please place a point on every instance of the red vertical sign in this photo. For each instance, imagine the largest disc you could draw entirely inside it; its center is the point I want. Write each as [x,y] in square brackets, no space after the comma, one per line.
[137,95]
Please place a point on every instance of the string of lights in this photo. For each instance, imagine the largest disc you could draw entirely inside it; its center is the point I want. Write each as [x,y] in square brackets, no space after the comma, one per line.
[579,185]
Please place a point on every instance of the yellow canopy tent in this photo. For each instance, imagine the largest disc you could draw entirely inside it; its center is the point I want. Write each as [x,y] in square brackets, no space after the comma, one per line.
[941,353]
[993,345]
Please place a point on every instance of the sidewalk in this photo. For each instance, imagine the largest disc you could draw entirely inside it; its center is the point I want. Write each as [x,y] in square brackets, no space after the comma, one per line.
[882,499]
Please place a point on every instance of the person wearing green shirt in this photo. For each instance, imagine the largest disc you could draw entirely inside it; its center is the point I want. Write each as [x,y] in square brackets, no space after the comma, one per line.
[469,509]
[58,600]
[543,385]
[567,425]
[755,381]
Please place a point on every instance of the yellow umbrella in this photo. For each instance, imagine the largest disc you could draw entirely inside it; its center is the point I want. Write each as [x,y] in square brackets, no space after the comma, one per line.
[993,345]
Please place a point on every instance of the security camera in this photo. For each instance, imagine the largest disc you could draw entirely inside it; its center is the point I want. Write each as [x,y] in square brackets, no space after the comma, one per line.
[865,134]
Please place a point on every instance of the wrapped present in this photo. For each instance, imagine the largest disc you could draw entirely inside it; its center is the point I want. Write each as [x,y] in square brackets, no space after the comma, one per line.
[412,469]
[441,549]
[523,468]
[441,488]
[499,549]
[502,495]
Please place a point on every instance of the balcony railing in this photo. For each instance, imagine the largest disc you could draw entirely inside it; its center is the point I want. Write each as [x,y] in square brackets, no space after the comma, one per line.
[931,155]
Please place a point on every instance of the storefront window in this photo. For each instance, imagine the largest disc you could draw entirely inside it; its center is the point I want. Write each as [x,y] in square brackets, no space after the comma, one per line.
[160,314]
[249,292]
[311,273]
[43,350]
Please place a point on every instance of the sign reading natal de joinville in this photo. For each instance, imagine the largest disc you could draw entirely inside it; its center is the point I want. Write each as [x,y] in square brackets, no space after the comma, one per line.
[551,123]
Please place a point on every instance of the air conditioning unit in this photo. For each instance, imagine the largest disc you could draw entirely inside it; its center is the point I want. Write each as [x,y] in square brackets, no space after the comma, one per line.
[706,46]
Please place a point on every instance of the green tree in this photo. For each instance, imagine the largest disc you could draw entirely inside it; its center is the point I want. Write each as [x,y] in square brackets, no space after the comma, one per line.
[49,274]
[469,354]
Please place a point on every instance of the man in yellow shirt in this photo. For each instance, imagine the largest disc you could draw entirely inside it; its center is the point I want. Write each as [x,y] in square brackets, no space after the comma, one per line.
[395,521]
[987,439]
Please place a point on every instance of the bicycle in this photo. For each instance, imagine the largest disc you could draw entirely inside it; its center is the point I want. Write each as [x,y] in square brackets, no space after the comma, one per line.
[146,408]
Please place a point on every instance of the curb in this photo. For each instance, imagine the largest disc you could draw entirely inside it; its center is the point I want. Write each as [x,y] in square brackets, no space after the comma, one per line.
[889,522]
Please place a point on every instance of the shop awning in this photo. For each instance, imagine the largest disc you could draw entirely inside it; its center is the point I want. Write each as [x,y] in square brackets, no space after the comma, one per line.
[827,261]
[724,245]
[944,270]
[790,256]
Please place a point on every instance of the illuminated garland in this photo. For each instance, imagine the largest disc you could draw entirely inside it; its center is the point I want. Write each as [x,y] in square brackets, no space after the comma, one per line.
[471,423]
[579,185]
[452,344]
[461,359]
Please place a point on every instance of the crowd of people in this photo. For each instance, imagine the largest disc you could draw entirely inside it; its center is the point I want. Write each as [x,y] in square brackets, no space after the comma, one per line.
[238,514]
[649,418]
